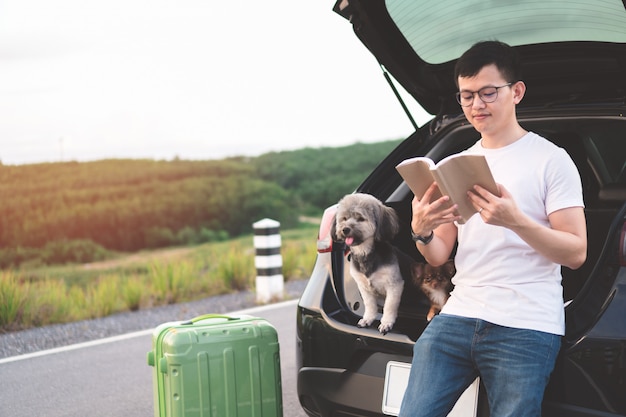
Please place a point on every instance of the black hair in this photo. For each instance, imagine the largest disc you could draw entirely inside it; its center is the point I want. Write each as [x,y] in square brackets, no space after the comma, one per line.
[486,53]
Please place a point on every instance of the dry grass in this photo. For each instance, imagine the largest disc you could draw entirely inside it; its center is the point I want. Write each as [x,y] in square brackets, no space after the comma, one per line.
[30,298]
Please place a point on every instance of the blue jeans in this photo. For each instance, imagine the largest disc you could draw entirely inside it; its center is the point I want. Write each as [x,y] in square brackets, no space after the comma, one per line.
[514,365]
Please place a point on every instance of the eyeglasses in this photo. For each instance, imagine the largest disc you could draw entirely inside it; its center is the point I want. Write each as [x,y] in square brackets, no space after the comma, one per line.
[486,95]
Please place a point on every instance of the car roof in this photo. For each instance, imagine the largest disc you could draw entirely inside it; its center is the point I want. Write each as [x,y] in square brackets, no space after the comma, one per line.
[573,52]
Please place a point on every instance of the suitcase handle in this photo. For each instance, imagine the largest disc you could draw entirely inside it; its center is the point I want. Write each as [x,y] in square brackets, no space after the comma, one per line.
[208,316]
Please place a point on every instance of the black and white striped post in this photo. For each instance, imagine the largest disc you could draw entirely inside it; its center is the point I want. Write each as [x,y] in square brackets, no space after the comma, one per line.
[268,261]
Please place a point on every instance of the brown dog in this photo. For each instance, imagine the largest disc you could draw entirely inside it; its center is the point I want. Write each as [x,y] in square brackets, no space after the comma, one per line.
[436,283]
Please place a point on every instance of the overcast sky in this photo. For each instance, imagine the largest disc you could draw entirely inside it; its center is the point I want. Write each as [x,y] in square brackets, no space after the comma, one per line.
[195,79]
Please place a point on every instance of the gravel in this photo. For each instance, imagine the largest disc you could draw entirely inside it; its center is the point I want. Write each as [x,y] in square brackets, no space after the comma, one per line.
[48,337]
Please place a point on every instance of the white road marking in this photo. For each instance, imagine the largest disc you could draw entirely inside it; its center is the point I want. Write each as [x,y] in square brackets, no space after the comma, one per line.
[249,311]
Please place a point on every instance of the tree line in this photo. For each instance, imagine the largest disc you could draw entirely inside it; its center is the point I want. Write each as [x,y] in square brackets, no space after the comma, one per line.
[130,205]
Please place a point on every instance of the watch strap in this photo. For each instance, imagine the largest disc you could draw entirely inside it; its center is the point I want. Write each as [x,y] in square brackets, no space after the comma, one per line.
[423,240]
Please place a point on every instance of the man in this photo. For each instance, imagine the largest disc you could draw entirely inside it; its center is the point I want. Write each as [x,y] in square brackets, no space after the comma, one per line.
[505,317]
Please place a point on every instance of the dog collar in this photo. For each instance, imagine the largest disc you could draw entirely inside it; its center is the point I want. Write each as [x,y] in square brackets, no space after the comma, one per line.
[421,239]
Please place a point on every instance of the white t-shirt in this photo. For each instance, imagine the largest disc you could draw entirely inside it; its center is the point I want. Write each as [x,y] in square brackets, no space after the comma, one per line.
[499,277]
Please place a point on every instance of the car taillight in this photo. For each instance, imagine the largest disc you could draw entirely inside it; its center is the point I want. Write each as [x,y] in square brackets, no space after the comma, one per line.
[324,239]
[622,246]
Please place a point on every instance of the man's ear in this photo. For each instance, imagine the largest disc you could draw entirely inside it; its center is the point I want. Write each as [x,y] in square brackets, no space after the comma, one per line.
[519,89]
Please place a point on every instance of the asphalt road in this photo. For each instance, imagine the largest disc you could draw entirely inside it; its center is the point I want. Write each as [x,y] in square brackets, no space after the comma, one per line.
[110,377]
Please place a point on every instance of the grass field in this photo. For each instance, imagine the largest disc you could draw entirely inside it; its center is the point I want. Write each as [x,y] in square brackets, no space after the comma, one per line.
[59,294]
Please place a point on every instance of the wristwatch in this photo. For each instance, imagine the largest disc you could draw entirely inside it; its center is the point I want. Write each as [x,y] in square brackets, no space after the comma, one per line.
[422,240]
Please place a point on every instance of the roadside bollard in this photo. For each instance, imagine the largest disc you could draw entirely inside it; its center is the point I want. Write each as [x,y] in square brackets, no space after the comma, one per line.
[268,261]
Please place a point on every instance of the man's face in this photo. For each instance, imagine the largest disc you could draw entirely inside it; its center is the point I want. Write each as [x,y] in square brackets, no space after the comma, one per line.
[495,117]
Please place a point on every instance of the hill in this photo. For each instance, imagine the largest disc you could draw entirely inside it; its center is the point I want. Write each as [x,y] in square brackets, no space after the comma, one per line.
[80,212]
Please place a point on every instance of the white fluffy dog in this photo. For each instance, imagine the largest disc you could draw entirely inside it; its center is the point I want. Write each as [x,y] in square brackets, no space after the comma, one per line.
[367,226]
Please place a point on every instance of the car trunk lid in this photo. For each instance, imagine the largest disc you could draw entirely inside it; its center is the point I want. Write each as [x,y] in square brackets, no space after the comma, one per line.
[572,52]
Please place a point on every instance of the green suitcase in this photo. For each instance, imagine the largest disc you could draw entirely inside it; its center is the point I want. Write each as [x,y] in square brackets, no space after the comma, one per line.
[216,366]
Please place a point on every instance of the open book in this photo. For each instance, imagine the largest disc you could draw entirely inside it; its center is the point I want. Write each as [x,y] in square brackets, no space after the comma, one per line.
[455,176]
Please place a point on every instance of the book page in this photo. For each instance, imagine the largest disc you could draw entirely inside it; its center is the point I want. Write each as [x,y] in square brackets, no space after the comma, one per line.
[417,173]
[457,174]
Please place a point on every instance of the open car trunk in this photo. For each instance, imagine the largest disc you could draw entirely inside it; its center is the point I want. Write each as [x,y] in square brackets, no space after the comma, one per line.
[595,146]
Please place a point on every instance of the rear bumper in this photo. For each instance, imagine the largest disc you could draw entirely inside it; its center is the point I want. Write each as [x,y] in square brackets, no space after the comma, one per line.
[343,375]
[326,392]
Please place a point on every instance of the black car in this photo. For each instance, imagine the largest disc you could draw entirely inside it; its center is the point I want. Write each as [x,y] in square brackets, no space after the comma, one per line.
[574,56]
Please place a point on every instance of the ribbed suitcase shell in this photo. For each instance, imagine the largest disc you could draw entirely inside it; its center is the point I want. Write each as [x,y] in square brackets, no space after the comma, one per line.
[216,366]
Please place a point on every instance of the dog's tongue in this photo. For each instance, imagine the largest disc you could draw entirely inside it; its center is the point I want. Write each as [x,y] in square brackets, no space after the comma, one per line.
[349,240]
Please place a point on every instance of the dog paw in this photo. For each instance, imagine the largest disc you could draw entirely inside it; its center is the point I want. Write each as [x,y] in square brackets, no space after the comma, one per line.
[385,327]
[364,322]
[432,313]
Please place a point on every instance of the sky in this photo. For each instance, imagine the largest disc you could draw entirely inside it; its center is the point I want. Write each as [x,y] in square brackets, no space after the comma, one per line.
[84,80]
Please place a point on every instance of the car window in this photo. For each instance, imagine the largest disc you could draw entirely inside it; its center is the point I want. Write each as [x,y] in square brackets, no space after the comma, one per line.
[441,30]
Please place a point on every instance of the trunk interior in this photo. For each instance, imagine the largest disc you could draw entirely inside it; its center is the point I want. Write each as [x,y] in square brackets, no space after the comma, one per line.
[597,147]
